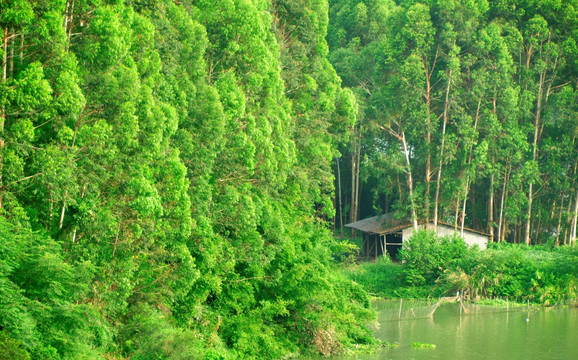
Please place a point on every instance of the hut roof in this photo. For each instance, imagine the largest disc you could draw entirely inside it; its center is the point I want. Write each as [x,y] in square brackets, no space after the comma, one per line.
[386,223]
[377,224]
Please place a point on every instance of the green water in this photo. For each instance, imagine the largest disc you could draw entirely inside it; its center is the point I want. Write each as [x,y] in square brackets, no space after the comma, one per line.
[485,333]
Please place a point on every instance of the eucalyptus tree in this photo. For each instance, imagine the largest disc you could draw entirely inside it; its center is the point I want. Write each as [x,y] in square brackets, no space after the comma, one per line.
[543,70]
[162,149]
[457,23]
[468,79]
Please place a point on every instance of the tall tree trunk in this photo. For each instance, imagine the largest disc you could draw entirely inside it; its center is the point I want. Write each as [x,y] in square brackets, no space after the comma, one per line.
[340,200]
[51,210]
[62,212]
[5,60]
[409,182]
[534,152]
[353,167]
[12,57]
[428,99]
[68,19]
[463,216]
[469,164]
[491,208]
[529,215]
[70,26]
[358,168]
[3,115]
[439,178]
[355,163]
[504,230]
[560,219]
[457,214]
[428,145]
[574,222]
[538,228]
[502,200]
[568,220]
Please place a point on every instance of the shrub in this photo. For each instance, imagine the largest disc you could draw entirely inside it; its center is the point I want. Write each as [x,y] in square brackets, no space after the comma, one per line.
[434,266]
[11,349]
[425,256]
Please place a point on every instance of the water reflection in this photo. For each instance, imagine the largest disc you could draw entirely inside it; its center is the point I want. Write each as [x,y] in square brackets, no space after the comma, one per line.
[479,332]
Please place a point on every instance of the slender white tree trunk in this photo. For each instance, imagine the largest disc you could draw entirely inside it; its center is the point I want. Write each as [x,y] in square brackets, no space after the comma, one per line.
[409,181]
[560,220]
[534,153]
[3,113]
[428,72]
[439,178]
[502,201]
[62,212]
[491,209]
[575,221]
[340,200]
[470,159]
[355,163]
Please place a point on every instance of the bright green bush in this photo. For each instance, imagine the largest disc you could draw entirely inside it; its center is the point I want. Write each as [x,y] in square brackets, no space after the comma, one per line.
[12,349]
[382,277]
[432,266]
[426,256]
[42,298]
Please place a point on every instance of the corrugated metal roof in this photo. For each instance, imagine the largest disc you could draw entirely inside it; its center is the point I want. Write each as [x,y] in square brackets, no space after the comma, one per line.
[386,223]
[377,224]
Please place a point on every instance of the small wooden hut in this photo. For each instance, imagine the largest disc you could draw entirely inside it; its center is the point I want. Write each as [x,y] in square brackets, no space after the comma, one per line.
[384,233]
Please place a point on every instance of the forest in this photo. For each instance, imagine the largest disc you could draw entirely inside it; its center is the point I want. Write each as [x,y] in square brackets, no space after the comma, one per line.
[173,173]
[467,114]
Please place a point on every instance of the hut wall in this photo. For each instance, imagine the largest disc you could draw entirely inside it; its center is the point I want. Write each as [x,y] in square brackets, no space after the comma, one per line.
[471,238]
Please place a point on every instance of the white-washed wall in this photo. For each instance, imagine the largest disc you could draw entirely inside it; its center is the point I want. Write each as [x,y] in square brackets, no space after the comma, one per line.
[471,238]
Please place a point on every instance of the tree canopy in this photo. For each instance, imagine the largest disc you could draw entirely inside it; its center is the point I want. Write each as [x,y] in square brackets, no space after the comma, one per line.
[170,170]
[469,113]
[166,181]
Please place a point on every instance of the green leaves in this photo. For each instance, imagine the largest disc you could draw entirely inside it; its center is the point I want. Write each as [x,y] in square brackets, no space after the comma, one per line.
[109,36]
[42,295]
[472,87]
[33,90]
[177,159]
[19,12]
[418,28]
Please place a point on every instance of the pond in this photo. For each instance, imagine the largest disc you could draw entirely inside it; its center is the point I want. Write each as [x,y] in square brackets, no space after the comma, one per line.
[475,332]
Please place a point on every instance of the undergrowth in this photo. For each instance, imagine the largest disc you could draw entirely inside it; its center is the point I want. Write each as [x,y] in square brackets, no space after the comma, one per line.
[432,266]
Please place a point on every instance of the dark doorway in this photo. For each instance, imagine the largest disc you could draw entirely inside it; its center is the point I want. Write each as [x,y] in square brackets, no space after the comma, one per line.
[393,244]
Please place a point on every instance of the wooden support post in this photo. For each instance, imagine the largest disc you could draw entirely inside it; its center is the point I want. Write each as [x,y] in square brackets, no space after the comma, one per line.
[370,248]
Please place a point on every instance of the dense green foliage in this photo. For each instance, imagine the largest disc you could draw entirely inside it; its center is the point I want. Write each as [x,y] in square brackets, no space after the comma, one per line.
[468,113]
[165,181]
[433,267]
